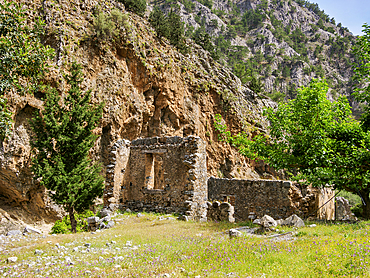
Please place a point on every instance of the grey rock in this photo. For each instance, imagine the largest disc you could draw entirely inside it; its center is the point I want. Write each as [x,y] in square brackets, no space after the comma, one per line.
[13,233]
[29,229]
[107,218]
[105,212]
[343,210]
[257,221]
[110,224]
[280,222]
[68,260]
[234,233]
[12,259]
[39,252]
[294,220]
[139,215]
[267,221]
[93,220]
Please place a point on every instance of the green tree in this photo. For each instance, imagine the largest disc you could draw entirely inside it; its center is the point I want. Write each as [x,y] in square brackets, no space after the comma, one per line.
[63,138]
[202,38]
[361,70]
[315,139]
[23,58]
[176,32]
[255,84]
[159,22]
[136,6]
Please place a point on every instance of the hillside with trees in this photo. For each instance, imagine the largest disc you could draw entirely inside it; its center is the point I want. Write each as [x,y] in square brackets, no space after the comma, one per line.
[281,44]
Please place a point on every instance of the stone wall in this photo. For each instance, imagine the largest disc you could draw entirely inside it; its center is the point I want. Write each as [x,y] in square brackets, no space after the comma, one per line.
[167,175]
[115,170]
[279,199]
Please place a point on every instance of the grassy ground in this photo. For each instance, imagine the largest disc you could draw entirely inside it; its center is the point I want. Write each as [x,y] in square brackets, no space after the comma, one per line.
[149,247]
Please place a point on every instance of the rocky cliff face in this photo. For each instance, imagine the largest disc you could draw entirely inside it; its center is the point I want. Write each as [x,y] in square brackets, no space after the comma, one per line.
[149,89]
[284,43]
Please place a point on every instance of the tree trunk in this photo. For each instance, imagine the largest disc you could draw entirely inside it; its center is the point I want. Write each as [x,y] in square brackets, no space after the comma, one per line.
[366,206]
[72,219]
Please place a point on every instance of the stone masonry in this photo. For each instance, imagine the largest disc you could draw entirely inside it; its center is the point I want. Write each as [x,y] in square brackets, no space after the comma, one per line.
[256,198]
[167,175]
[115,171]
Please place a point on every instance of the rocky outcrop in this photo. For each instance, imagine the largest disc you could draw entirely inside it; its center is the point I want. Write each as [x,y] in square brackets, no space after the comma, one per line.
[272,48]
[149,89]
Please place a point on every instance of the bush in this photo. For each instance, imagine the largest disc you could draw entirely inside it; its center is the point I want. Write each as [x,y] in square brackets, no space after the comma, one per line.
[107,26]
[136,6]
[64,226]
[357,210]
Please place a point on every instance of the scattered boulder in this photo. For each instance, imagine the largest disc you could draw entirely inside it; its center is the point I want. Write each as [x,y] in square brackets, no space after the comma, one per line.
[12,259]
[343,210]
[280,222]
[294,220]
[31,230]
[13,233]
[234,233]
[93,223]
[217,211]
[39,252]
[267,222]
[105,212]
[110,224]
[184,218]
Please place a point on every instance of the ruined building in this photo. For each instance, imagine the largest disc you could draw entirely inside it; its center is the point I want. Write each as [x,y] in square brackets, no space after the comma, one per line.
[169,175]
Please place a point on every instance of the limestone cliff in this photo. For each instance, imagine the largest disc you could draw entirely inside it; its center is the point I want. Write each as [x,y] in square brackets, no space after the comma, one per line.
[149,89]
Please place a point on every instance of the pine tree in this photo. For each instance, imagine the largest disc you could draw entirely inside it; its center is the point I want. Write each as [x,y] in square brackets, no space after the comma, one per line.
[136,6]
[176,33]
[159,22]
[63,138]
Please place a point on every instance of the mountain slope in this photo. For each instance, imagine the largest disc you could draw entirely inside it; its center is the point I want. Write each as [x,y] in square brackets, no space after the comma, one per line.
[148,87]
[285,43]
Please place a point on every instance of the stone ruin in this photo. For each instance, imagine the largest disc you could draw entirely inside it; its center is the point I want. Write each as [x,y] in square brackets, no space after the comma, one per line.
[166,175]
[255,198]
[169,175]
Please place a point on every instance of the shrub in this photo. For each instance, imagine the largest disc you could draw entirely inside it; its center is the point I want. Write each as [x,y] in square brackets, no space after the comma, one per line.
[136,6]
[107,26]
[357,210]
[64,226]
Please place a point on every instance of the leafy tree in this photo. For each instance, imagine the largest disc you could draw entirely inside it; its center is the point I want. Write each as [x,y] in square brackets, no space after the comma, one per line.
[22,57]
[361,70]
[63,138]
[315,139]
[136,6]
[159,22]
